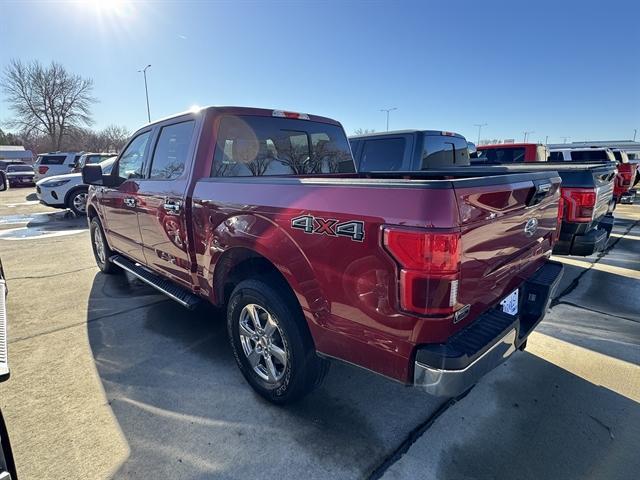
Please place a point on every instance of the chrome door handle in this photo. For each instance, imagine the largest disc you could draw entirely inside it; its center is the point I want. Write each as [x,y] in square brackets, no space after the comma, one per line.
[172,206]
[130,201]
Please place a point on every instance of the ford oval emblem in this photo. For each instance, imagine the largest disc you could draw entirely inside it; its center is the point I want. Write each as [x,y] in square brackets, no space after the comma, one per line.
[531,227]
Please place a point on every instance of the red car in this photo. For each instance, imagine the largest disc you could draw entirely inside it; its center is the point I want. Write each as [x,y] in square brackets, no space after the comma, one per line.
[430,279]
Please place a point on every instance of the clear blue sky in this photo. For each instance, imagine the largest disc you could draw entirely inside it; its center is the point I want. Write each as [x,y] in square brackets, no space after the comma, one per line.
[558,68]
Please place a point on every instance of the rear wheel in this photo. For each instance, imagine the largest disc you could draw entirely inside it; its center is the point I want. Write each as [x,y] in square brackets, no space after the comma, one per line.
[77,201]
[101,250]
[271,342]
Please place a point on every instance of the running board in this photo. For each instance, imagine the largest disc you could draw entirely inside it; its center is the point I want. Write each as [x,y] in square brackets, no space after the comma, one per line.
[170,289]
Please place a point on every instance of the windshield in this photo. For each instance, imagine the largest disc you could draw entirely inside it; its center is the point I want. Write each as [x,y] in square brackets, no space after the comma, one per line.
[20,168]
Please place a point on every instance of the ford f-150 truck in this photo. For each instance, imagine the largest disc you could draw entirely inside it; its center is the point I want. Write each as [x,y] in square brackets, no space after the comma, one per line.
[587,193]
[430,279]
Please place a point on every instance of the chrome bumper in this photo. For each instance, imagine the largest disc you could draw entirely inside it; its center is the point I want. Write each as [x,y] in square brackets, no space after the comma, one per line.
[451,383]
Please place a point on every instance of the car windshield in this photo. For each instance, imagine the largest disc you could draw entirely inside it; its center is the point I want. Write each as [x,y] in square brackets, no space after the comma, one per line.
[20,168]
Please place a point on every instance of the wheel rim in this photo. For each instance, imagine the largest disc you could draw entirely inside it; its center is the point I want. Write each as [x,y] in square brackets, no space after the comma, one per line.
[98,243]
[263,343]
[80,202]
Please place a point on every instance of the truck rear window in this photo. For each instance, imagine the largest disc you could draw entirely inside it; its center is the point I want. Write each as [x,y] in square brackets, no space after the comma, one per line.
[51,159]
[443,151]
[589,156]
[502,155]
[257,146]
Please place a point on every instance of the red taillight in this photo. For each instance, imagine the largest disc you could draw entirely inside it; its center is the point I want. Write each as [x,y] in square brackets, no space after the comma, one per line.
[42,170]
[283,114]
[430,266]
[559,217]
[580,203]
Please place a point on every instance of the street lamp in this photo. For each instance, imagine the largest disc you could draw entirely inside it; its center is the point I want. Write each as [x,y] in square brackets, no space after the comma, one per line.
[388,110]
[479,125]
[146,90]
[526,134]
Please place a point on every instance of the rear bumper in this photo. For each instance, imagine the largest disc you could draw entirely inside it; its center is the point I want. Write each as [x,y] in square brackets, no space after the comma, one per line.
[449,369]
[585,243]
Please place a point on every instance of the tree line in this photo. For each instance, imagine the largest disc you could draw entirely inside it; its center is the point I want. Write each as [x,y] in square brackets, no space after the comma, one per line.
[51,110]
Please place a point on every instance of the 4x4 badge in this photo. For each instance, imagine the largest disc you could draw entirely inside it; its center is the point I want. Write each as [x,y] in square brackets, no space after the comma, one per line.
[354,229]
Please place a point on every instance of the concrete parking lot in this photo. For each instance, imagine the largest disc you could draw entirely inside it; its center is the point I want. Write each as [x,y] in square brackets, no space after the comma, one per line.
[113,380]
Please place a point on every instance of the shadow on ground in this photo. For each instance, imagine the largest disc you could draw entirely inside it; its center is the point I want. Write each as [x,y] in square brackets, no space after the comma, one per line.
[184,407]
[551,424]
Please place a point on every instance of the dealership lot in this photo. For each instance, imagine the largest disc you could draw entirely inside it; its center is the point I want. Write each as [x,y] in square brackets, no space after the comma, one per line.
[111,379]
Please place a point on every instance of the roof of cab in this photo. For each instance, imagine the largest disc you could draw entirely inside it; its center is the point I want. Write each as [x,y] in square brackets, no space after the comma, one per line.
[405,132]
[509,145]
[231,110]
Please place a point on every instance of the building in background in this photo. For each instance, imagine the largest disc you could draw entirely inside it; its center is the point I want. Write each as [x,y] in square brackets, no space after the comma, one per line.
[15,152]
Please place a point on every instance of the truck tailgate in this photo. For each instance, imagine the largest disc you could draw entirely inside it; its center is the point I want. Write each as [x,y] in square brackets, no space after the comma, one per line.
[507,233]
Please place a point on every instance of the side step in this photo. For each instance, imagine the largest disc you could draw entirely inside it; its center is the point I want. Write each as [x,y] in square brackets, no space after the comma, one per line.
[170,289]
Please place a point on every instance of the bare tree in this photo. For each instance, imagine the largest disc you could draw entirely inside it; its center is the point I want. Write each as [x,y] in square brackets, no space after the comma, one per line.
[363,131]
[47,100]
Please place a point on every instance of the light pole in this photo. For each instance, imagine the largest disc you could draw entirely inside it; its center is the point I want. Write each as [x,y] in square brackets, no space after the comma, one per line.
[388,110]
[526,134]
[546,140]
[565,139]
[146,90]
[479,125]
[635,131]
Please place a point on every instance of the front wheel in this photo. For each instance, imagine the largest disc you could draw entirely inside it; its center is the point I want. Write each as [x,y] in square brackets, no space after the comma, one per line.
[271,342]
[77,201]
[101,250]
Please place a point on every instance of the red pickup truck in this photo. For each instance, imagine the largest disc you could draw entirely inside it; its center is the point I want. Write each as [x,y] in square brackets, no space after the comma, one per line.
[428,279]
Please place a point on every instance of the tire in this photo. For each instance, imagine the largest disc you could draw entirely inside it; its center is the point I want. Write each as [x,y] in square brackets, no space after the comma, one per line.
[101,253]
[302,370]
[77,201]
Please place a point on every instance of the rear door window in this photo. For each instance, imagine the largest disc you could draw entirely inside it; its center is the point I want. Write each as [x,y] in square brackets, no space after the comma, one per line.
[51,159]
[171,151]
[443,151]
[383,154]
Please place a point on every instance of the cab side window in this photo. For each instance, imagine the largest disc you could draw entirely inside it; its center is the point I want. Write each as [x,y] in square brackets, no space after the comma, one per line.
[131,161]
[171,151]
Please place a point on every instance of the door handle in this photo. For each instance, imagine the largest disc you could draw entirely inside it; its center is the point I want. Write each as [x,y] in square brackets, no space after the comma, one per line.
[130,201]
[172,206]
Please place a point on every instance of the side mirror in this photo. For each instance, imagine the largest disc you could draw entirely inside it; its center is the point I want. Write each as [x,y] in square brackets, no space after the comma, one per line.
[92,175]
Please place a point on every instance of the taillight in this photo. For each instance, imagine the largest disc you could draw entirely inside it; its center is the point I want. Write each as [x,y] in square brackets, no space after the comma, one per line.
[559,217]
[430,269]
[42,170]
[580,203]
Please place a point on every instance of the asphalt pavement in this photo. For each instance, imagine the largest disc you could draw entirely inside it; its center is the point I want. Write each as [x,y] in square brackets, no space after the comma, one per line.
[112,380]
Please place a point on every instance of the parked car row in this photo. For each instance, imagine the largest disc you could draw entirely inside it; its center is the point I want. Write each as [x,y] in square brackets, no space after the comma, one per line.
[398,252]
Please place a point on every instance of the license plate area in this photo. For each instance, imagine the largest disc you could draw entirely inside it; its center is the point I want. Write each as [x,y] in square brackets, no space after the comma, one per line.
[510,303]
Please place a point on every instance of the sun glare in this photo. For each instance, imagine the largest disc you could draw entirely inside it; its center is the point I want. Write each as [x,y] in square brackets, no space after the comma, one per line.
[119,8]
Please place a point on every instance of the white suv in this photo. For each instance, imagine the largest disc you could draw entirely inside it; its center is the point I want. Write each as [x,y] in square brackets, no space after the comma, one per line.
[55,163]
[68,191]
